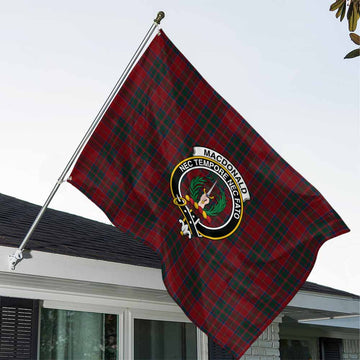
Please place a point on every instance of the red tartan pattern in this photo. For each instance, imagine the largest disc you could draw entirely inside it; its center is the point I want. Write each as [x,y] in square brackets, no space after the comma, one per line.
[232,288]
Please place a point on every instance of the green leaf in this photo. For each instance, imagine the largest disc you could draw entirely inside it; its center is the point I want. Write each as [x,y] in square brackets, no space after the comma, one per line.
[341,11]
[336,5]
[218,207]
[355,38]
[195,186]
[352,54]
[353,15]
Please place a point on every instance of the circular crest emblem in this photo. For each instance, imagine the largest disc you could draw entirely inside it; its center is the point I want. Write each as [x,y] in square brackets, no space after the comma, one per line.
[210,193]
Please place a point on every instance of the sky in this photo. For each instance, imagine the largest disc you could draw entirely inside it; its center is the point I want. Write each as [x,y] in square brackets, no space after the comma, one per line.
[279,63]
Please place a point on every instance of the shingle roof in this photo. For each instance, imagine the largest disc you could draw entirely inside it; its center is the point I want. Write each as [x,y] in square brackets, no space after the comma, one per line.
[67,234]
[62,233]
[310,286]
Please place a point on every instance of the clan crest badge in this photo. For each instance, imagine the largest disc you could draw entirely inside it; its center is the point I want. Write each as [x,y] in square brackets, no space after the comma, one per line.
[210,193]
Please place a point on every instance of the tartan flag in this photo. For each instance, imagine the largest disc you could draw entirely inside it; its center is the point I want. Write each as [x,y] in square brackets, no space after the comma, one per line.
[236,227]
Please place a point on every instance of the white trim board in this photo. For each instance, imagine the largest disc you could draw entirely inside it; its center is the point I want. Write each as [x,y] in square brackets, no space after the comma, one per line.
[77,268]
[47,276]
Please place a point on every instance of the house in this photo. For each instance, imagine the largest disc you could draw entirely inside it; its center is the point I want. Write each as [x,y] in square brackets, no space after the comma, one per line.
[88,291]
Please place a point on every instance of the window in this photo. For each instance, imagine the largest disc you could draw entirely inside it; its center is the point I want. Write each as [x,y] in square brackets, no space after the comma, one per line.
[297,349]
[73,335]
[163,340]
[330,349]
[217,352]
[123,335]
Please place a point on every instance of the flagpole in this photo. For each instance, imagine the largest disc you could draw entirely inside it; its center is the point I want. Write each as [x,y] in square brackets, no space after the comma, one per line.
[16,257]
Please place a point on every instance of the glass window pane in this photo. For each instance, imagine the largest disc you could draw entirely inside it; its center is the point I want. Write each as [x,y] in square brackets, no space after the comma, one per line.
[164,340]
[295,350]
[73,335]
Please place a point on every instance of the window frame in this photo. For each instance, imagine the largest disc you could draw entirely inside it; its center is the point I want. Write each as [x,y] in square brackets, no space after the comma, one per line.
[84,307]
[126,318]
[131,314]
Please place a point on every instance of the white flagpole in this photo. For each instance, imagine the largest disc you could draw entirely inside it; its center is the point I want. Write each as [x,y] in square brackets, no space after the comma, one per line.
[16,257]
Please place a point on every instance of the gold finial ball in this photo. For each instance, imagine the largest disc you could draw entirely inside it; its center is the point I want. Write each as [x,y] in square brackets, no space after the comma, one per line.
[159,17]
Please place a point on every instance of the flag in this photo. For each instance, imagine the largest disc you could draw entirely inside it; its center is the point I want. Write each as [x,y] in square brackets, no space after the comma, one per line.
[236,227]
